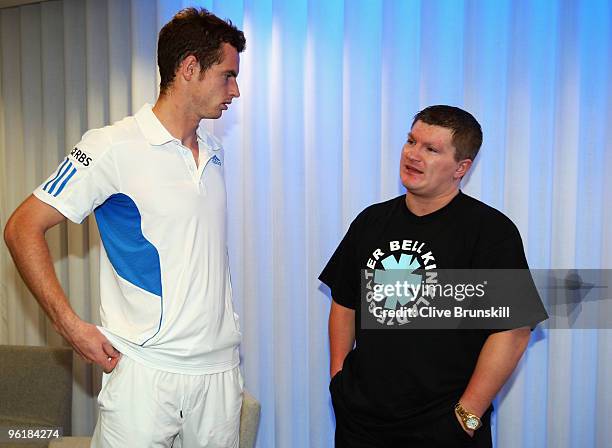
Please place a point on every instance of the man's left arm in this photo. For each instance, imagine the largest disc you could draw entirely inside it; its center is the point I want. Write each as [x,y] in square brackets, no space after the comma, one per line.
[498,358]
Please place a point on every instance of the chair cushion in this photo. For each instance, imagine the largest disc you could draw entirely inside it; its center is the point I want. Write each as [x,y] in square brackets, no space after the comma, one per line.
[36,386]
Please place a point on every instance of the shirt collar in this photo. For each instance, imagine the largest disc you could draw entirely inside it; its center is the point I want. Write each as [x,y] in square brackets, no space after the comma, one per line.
[154,132]
[157,135]
[209,140]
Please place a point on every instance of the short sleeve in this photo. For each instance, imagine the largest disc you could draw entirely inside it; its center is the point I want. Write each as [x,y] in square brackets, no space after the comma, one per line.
[501,250]
[505,251]
[341,274]
[84,179]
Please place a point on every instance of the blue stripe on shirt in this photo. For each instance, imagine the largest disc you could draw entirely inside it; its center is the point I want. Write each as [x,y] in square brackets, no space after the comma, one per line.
[61,176]
[59,171]
[59,190]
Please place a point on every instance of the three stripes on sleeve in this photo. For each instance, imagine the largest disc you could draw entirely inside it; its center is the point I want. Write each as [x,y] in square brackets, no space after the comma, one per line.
[58,182]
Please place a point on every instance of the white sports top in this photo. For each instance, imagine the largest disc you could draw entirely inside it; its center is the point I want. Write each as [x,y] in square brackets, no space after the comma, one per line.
[166,297]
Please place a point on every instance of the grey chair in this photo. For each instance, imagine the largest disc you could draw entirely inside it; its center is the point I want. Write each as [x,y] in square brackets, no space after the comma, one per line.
[35,388]
[249,420]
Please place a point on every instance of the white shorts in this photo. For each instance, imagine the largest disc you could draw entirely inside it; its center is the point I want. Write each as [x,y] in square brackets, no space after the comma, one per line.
[145,407]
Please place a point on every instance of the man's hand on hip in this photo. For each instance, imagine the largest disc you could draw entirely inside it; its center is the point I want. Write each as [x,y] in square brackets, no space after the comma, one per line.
[90,344]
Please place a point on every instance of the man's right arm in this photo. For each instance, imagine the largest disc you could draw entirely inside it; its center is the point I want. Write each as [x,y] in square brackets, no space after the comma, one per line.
[341,335]
[25,237]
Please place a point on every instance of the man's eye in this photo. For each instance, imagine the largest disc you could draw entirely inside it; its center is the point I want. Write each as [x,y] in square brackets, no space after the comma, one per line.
[410,141]
[430,149]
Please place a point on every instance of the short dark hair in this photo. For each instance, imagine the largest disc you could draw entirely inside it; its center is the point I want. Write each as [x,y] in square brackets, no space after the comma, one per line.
[467,134]
[196,32]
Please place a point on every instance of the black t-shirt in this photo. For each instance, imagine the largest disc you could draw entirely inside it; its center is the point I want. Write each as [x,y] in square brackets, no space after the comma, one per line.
[404,373]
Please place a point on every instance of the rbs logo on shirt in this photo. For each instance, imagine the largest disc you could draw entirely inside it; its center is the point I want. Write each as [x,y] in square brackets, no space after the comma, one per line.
[80,156]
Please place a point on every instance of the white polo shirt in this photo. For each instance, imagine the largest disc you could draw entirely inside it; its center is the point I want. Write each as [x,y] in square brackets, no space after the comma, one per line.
[166,298]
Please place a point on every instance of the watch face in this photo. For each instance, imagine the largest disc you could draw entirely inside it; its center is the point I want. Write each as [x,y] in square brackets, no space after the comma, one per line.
[471,423]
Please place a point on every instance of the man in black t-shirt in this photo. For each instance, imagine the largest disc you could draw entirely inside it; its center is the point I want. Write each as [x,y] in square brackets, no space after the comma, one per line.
[410,387]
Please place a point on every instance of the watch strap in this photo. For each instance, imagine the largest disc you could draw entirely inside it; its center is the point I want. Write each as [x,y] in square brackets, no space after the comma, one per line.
[469,420]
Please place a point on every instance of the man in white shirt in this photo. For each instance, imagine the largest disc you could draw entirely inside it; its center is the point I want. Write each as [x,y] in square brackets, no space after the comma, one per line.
[168,342]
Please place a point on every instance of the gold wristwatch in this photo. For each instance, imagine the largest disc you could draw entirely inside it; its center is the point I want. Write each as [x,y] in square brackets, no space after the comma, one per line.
[469,420]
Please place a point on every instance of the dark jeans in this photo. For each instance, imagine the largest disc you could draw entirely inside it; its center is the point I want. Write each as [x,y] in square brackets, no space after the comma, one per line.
[358,431]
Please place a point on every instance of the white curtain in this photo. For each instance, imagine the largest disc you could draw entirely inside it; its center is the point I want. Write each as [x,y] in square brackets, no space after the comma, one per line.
[329,88]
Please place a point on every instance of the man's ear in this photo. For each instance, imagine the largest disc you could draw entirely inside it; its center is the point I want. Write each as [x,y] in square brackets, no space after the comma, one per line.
[462,168]
[188,68]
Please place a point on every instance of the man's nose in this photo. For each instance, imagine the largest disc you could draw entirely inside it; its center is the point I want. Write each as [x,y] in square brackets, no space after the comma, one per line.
[235,92]
[411,152]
